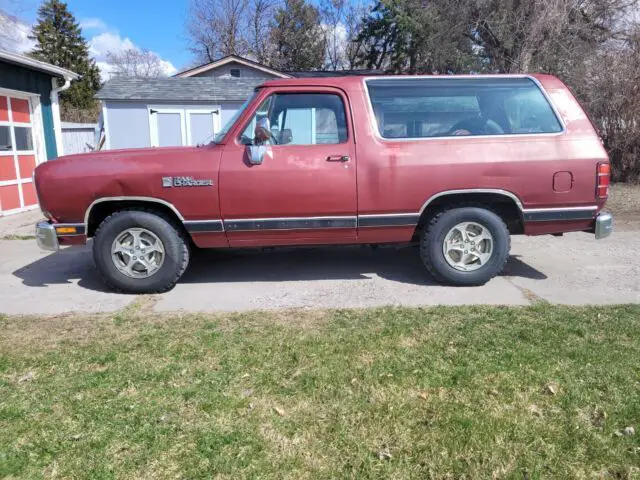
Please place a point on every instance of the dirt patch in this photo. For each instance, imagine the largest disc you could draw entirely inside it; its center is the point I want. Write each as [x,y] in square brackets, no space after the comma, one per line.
[624,203]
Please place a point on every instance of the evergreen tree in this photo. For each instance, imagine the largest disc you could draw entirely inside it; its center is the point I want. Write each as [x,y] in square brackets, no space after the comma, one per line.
[59,41]
[298,37]
[413,36]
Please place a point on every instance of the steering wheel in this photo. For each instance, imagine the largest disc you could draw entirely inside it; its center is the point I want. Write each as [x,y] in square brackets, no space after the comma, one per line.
[478,126]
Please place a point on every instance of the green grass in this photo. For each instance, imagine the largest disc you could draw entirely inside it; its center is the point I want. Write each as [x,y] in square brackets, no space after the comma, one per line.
[18,237]
[384,393]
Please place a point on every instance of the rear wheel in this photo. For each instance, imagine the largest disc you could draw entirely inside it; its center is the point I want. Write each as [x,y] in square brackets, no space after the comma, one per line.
[140,252]
[465,246]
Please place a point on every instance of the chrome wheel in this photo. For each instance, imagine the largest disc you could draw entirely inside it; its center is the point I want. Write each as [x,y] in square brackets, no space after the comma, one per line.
[137,253]
[468,246]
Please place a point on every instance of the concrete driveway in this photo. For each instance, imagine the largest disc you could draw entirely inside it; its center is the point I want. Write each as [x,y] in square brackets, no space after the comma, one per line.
[575,269]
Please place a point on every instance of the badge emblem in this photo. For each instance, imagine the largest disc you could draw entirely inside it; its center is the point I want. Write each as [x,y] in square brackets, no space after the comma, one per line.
[168,182]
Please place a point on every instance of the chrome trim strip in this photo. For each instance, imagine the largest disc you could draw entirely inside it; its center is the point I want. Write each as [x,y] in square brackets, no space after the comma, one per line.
[289,223]
[203,226]
[473,190]
[378,135]
[559,214]
[132,198]
[389,220]
[559,209]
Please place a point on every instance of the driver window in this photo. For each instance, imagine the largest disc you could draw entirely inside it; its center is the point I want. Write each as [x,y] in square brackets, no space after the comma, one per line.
[263,112]
[301,119]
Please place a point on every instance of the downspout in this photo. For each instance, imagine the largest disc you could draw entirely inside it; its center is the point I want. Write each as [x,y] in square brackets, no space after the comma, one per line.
[55,110]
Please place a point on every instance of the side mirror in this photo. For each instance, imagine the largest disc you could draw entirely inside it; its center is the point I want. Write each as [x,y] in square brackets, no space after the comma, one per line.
[263,131]
[257,153]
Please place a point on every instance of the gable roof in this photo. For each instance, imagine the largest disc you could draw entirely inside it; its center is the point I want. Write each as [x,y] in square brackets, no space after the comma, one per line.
[230,59]
[33,64]
[172,89]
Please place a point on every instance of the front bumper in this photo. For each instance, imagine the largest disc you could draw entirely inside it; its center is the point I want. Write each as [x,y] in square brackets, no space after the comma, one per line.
[46,237]
[604,225]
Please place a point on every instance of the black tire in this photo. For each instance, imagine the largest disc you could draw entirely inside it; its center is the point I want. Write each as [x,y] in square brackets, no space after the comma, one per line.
[176,249]
[433,236]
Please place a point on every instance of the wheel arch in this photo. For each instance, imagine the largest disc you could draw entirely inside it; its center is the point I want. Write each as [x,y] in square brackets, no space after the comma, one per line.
[103,207]
[504,203]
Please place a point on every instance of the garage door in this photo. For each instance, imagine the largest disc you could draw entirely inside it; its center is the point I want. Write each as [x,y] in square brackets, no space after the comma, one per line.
[17,154]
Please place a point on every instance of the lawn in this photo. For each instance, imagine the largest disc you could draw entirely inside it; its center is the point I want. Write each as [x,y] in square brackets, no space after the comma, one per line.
[538,392]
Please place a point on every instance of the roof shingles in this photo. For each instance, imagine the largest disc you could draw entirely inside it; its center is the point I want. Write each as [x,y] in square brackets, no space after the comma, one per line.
[175,89]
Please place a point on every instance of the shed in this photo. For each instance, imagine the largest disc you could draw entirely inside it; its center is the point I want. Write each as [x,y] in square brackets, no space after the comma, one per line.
[30,127]
[157,112]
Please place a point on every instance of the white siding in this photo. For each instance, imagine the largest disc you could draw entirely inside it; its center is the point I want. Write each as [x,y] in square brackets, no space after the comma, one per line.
[224,71]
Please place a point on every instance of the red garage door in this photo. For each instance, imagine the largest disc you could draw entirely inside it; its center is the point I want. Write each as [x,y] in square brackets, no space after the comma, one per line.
[17,154]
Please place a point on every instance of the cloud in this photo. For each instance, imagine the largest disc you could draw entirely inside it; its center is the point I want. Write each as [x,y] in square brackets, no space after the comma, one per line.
[14,34]
[93,24]
[14,38]
[111,41]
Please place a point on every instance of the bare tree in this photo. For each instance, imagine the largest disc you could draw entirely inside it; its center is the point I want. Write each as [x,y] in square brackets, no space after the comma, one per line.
[341,23]
[258,21]
[133,62]
[356,12]
[217,28]
[333,14]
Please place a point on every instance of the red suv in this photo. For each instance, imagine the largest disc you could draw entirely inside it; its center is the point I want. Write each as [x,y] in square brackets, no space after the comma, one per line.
[456,163]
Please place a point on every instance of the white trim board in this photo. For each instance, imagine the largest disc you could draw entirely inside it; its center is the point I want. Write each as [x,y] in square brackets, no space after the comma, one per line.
[231,59]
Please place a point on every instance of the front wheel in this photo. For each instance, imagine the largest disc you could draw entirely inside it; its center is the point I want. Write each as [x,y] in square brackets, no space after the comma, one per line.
[140,252]
[465,246]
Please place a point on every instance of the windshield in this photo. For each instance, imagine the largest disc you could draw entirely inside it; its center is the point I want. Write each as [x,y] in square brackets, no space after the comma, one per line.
[221,134]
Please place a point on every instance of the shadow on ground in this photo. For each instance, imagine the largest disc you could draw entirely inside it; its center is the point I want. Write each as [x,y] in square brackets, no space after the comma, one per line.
[398,264]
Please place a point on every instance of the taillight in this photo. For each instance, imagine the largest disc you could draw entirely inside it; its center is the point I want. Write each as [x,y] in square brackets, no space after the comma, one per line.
[603,180]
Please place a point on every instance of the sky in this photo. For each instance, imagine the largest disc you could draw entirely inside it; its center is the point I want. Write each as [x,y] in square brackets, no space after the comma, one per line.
[111,25]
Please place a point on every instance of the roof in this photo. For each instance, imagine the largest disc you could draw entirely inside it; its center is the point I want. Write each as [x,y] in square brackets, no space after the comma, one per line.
[33,64]
[175,89]
[355,79]
[333,73]
[230,59]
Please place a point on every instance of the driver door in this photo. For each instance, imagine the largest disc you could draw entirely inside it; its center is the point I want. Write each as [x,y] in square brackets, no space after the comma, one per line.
[304,191]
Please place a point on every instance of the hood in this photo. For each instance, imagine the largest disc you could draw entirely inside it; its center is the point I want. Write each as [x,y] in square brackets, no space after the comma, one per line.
[134,153]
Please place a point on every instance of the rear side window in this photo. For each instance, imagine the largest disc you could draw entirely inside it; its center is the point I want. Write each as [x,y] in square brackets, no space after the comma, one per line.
[443,107]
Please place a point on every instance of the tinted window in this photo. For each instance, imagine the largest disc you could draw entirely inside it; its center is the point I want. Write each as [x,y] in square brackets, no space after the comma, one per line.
[441,107]
[302,119]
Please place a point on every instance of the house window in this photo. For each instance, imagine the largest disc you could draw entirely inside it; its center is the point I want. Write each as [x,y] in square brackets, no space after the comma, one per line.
[235,72]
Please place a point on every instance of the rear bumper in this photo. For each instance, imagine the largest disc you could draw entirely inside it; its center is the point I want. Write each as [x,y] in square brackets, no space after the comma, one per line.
[46,237]
[604,225]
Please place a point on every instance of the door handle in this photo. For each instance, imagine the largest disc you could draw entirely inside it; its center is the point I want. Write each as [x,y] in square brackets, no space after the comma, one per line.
[338,158]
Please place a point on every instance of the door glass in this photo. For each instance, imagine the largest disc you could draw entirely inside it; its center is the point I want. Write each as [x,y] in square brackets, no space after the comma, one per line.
[302,119]
[201,127]
[169,129]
